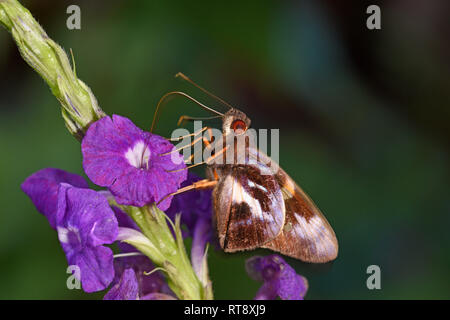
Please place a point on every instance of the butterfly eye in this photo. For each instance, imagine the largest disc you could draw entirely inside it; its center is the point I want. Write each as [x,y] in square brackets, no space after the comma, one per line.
[238,126]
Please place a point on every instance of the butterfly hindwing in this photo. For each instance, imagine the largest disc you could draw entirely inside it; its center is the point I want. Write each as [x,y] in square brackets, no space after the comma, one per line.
[249,207]
[306,234]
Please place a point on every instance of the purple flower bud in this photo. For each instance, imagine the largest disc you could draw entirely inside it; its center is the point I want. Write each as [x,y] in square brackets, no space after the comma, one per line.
[136,166]
[279,279]
[202,233]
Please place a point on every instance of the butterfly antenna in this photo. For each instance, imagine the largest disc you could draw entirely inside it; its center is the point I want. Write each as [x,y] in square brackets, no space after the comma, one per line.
[184,77]
[185,118]
[183,95]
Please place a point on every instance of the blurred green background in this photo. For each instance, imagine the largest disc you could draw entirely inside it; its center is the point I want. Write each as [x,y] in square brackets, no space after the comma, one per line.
[363,118]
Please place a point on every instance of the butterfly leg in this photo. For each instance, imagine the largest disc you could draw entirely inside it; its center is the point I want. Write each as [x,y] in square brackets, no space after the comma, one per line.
[199,185]
[183,147]
[189,135]
[206,140]
[201,138]
[207,161]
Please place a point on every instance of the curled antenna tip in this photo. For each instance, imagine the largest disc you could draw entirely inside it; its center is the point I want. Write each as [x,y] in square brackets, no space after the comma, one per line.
[181,75]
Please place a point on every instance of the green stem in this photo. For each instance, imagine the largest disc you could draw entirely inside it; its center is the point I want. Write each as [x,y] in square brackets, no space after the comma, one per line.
[181,276]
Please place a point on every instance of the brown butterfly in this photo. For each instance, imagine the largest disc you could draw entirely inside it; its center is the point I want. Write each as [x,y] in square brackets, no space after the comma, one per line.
[256,204]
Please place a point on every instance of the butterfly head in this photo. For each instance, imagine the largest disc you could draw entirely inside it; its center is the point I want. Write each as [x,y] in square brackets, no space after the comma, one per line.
[235,121]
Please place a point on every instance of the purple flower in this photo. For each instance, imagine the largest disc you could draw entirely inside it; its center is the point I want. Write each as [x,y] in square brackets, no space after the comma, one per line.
[132,274]
[42,188]
[130,162]
[141,266]
[158,296]
[84,222]
[125,289]
[279,279]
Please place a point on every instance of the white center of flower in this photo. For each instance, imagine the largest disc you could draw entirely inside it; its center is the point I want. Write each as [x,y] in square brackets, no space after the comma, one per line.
[139,155]
[67,235]
[62,234]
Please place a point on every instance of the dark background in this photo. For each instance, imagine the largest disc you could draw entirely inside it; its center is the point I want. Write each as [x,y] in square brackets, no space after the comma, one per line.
[363,118]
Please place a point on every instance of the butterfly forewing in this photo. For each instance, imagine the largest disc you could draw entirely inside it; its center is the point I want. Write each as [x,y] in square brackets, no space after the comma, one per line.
[249,207]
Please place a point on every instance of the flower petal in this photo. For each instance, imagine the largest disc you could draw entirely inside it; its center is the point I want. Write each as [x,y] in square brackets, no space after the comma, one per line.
[89,212]
[279,278]
[125,289]
[266,292]
[158,296]
[201,235]
[96,268]
[125,221]
[147,283]
[42,188]
[84,222]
